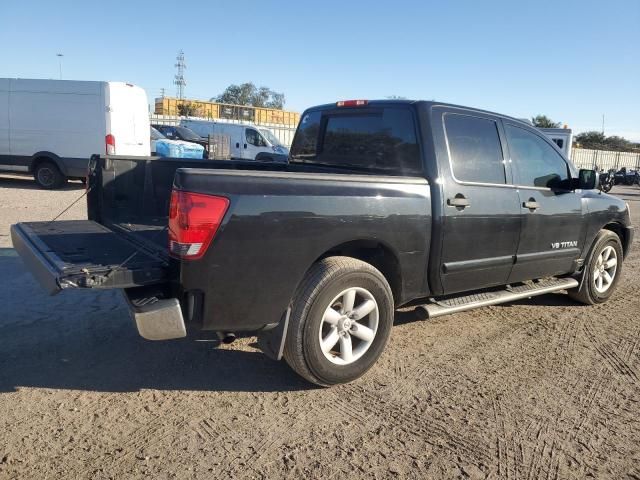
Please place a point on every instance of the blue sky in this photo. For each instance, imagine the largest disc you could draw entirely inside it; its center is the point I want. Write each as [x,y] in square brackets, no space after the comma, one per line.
[572,60]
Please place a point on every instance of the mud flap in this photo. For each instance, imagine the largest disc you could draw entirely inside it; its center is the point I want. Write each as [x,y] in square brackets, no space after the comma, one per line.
[271,341]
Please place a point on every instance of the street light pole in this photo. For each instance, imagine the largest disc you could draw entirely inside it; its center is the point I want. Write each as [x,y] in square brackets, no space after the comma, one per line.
[59,55]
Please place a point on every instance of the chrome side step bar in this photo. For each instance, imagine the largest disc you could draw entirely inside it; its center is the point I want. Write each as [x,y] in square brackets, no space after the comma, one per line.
[509,294]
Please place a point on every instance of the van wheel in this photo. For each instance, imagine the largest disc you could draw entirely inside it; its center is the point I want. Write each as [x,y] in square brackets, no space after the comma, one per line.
[602,270]
[340,321]
[48,176]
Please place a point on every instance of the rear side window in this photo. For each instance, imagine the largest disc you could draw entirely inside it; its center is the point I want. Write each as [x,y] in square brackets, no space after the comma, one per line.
[475,150]
[536,163]
[306,140]
[382,139]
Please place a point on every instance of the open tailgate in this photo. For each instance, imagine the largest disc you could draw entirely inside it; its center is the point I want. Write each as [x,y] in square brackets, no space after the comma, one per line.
[85,254]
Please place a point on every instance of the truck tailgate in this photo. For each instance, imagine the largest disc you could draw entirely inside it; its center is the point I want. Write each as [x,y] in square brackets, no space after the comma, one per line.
[85,254]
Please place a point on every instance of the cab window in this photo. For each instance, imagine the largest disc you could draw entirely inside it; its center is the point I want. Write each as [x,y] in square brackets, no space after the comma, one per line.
[254,138]
[381,139]
[475,150]
[536,163]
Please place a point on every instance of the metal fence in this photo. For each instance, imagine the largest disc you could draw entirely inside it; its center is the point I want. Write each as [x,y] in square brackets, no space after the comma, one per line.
[284,133]
[604,159]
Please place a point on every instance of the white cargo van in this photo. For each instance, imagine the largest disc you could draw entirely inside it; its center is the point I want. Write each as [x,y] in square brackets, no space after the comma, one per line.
[247,142]
[50,128]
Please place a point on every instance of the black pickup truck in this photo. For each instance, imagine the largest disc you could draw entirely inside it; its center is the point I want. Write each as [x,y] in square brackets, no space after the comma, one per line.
[383,204]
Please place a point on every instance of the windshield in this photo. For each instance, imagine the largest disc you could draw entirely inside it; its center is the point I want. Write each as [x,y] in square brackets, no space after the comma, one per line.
[156,135]
[273,140]
[187,134]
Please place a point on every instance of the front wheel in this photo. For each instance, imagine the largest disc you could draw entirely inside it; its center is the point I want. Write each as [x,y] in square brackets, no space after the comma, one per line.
[340,321]
[601,271]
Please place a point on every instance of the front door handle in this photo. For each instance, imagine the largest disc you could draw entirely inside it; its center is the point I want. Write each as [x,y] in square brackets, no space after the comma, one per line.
[531,204]
[459,201]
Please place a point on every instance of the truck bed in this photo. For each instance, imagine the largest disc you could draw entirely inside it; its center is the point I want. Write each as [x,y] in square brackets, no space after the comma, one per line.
[300,211]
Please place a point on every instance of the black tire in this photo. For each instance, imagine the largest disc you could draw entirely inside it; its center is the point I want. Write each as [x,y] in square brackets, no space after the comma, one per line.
[588,292]
[324,281]
[48,176]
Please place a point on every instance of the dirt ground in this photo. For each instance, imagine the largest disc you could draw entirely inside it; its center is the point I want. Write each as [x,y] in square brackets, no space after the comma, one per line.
[539,389]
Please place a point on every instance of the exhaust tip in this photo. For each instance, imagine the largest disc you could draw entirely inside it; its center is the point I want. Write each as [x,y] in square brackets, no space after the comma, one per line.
[226,337]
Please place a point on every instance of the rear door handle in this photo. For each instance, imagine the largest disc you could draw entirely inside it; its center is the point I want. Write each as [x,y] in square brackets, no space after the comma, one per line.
[531,204]
[459,201]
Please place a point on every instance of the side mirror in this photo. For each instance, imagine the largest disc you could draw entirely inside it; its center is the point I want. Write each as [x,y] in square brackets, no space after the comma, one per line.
[588,180]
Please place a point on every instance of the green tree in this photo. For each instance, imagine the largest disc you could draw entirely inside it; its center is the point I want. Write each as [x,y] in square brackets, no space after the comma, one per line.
[249,94]
[187,110]
[615,142]
[542,121]
[593,140]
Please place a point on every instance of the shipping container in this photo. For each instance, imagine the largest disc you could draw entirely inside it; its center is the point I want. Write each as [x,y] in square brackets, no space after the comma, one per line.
[212,110]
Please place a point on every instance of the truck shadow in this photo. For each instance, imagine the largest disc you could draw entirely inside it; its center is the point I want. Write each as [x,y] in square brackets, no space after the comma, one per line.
[26,182]
[86,341]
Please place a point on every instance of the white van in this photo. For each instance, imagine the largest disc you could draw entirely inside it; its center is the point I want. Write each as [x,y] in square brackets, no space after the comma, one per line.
[50,128]
[562,137]
[247,142]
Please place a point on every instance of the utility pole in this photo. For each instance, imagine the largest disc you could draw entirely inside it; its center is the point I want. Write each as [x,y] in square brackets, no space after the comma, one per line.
[59,55]
[179,80]
[603,124]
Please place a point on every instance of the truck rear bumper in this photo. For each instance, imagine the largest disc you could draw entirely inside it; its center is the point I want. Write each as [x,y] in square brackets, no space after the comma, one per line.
[157,319]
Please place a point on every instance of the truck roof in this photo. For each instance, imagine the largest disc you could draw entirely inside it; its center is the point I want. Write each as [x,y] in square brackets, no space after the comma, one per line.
[426,103]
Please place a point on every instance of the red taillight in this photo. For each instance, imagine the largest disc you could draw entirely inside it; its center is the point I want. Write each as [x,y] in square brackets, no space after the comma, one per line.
[352,103]
[194,219]
[110,144]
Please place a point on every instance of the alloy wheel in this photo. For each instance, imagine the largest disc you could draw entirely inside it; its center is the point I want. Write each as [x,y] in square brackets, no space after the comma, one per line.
[349,326]
[605,269]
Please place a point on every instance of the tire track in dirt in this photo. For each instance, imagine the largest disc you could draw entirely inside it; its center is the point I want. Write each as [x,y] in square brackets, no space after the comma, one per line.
[567,339]
[545,461]
[251,452]
[632,347]
[589,402]
[616,363]
[426,428]
[381,409]
[504,444]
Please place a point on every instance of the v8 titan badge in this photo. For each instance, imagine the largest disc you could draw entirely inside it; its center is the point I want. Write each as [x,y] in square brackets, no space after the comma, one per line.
[573,243]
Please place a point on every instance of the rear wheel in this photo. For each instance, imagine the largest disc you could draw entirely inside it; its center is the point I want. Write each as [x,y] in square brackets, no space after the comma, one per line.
[340,321]
[602,270]
[48,176]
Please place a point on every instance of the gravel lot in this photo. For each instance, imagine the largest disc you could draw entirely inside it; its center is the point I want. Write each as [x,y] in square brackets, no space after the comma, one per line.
[543,388]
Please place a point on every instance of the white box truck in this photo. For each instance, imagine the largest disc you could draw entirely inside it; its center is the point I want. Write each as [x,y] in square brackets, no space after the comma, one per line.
[247,141]
[50,128]
[562,137]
